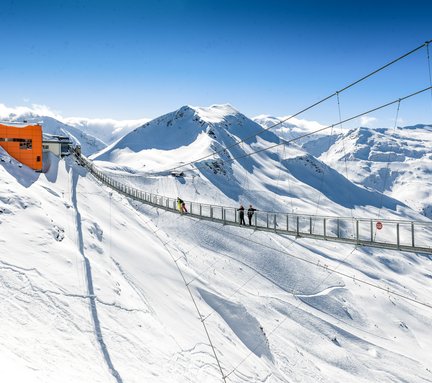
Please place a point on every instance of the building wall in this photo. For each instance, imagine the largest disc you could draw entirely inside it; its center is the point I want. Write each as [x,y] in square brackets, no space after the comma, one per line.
[54,147]
[23,143]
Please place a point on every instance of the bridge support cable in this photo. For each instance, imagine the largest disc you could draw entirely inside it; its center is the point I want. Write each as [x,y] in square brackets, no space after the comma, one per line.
[429,66]
[387,170]
[187,285]
[280,323]
[328,126]
[344,153]
[426,44]
[330,272]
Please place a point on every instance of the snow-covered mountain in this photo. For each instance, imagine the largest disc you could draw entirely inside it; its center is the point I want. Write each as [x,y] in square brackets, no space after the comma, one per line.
[284,178]
[397,162]
[291,128]
[98,288]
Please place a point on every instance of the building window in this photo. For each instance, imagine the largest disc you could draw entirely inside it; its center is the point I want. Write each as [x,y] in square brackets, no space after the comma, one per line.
[25,144]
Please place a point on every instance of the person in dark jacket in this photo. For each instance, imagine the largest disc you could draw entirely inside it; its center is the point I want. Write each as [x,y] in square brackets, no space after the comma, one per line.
[250,213]
[241,215]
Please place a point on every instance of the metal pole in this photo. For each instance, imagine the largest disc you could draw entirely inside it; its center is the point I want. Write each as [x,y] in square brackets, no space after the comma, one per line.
[298,226]
[338,228]
[357,231]
[397,235]
[310,225]
[325,227]
[274,222]
[371,231]
[412,234]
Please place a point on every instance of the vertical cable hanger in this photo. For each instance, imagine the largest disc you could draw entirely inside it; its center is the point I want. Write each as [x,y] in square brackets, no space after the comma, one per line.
[429,65]
[386,174]
[344,151]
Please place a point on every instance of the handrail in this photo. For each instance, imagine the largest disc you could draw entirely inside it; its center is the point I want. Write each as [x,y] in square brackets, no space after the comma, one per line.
[403,235]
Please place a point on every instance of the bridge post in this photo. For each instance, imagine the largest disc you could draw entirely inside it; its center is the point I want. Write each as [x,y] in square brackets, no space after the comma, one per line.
[357,231]
[412,235]
[397,235]
[325,227]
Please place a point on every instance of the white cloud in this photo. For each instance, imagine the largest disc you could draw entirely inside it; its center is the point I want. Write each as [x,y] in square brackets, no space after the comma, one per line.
[7,112]
[105,129]
[367,120]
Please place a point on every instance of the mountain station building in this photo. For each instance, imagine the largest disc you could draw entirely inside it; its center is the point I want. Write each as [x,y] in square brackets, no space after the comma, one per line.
[23,142]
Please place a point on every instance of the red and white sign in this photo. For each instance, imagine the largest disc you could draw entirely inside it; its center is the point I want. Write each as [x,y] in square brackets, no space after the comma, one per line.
[379,225]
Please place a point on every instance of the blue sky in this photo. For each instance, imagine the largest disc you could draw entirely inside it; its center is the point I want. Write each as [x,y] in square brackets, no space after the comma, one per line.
[132,59]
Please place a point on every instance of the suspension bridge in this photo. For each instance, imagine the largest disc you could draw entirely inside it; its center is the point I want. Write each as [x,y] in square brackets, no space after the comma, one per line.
[403,235]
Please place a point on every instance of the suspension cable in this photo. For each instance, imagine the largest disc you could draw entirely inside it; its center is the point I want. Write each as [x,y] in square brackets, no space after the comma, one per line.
[212,346]
[429,64]
[309,107]
[321,129]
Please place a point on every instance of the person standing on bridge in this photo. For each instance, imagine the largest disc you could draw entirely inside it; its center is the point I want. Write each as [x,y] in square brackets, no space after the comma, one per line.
[181,206]
[250,213]
[241,215]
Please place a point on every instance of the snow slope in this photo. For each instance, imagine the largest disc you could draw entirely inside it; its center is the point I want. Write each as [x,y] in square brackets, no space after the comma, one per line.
[93,289]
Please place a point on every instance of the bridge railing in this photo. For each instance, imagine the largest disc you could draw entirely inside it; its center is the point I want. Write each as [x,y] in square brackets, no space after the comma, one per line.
[393,234]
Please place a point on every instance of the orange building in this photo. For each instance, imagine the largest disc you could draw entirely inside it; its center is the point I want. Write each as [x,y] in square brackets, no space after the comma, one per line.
[24,143]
